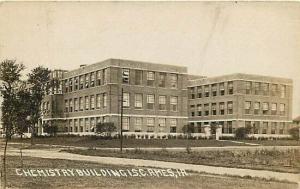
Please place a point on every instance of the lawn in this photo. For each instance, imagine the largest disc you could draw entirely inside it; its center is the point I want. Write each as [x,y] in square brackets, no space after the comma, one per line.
[192,181]
[127,143]
[274,142]
[266,159]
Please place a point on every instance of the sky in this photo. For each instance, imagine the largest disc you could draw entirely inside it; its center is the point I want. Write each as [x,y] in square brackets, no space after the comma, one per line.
[210,38]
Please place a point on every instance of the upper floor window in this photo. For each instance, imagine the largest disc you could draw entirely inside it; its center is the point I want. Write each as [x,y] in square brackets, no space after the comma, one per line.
[66,86]
[206,90]
[138,101]
[229,107]
[76,83]
[274,89]
[274,109]
[138,77]
[282,109]
[192,93]
[256,107]
[66,105]
[125,76]
[92,79]
[206,109]
[162,80]
[174,80]
[214,89]
[248,87]
[76,104]
[98,101]
[214,109]
[222,89]
[282,91]
[199,92]
[265,108]
[71,84]
[87,80]
[174,102]
[162,102]
[199,109]
[105,76]
[247,107]
[87,103]
[126,98]
[265,87]
[150,78]
[70,105]
[99,77]
[104,100]
[150,101]
[222,108]
[257,88]
[81,82]
[92,102]
[81,103]
[230,87]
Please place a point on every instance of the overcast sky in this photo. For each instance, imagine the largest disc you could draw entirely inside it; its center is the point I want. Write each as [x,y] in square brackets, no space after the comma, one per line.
[210,38]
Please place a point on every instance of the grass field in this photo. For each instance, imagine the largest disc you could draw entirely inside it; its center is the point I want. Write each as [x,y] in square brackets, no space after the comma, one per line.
[140,143]
[275,160]
[130,143]
[193,181]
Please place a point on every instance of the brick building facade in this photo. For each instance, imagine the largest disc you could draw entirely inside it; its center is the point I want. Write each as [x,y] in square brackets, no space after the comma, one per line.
[240,100]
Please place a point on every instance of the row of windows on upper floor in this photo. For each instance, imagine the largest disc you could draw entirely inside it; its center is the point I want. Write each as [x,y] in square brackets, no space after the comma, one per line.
[99,78]
[245,87]
[219,109]
[100,101]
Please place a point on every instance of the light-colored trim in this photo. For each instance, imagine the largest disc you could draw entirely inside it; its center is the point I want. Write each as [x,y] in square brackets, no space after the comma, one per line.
[221,81]
[125,115]
[213,120]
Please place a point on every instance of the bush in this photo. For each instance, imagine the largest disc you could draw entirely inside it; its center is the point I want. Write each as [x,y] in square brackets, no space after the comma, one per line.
[242,132]
[106,129]
[294,132]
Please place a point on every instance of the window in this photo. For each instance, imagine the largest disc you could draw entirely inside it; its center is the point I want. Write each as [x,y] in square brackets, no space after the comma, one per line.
[150,78]
[87,80]
[81,102]
[87,103]
[138,77]
[161,124]
[66,105]
[76,125]
[174,102]
[214,90]
[76,83]
[274,89]
[229,126]
[282,109]
[256,107]
[173,125]
[98,101]
[257,88]
[138,104]
[81,125]
[230,107]
[256,127]
[99,78]
[230,87]
[199,109]
[126,100]
[265,108]
[265,87]
[282,91]
[174,81]
[162,102]
[125,76]
[105,78]
[192,114]
[66,86]
[206,109]
[150,124]
[214,109]
[93,125]
[87,125]
[247,107]
[281,127]
[76,105]
[274,109]
[138,124]
[273,127]
[81,82]
[222,108]
[248,87]
[206,91]
[93,79]
[125,123]
[70,105]
[70,85]
[104,100]
[199,92]
[162,80]
[92,102]
[150,101]
[222,89]
[192,93]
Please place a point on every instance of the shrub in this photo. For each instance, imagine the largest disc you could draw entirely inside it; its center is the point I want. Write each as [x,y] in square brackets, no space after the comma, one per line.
[242,132]
[106,129]
[294,132]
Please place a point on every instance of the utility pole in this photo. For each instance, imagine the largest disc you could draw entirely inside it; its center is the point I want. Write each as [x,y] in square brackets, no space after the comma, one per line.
[121,132]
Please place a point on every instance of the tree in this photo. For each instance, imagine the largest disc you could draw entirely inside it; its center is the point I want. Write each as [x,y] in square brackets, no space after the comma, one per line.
[294,132]
[50,129]
[188,129]
[10,73]
[106,128]
[242,132]
[39,79]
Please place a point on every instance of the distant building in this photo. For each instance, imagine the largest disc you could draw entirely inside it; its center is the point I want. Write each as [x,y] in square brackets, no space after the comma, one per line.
[240,100]
[154,97]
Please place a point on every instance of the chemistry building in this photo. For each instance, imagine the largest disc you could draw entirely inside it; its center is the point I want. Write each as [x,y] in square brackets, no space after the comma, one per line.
[161,99]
